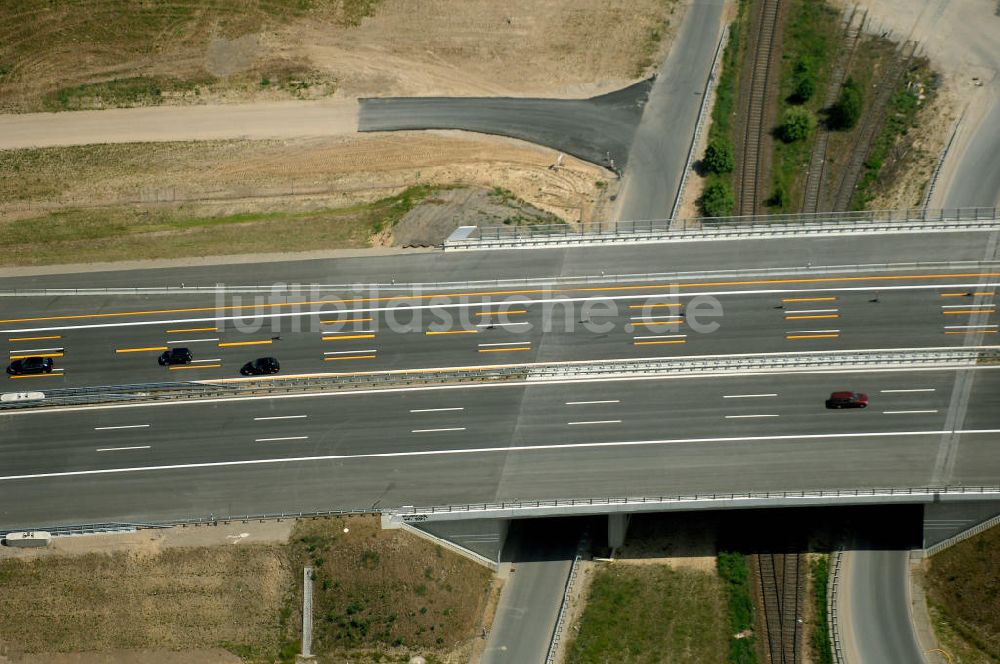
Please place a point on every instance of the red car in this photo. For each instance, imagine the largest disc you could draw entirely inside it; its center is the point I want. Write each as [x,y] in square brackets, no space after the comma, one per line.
[847,400]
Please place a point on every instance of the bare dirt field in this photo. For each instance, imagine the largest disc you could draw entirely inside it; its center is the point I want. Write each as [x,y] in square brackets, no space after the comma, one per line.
[55,202]
[232,592]
[87,54]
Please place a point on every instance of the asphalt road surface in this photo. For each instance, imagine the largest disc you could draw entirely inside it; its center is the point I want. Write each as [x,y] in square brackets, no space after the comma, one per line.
[474,444]
[114,339]
[659,153]
[874,608]
[598,129]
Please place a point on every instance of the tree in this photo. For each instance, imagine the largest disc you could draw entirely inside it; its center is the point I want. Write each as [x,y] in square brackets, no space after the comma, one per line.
[717,200]
[719,156]
[803,81]
[796,124]
[846,111]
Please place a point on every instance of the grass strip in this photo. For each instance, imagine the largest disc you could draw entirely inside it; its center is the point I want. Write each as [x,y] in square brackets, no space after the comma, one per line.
[822,649]
[735,574]
[651,614]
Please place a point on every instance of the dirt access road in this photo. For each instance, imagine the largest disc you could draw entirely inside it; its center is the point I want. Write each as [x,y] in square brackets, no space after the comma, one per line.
[185,123]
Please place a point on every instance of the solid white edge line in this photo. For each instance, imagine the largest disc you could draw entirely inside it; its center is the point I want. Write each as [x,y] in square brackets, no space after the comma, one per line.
[811,331]
[118,449]
[349,352]
[280,417]
[525,301]
[968,306]
[270,440]
[437,430]
[748,396]
[22,351]
[435,410]
[662,336]
[218,359]
[189,341]
[741,417]
[502,324]
[585,403]
[907,412]
[123,426]
[918,389]
[493,450]
[595,422]
[810,311]
[509,343]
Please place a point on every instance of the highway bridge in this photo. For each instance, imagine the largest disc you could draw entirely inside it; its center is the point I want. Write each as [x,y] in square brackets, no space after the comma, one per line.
[523,439]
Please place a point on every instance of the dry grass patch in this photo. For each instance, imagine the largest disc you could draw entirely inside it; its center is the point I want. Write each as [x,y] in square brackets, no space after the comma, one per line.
[963,590]
[652,614]
[79,54]
[178,598]
[135,233]
[386,592]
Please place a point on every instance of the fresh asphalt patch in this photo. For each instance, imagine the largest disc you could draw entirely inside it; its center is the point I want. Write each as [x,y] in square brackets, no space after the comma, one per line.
[599,129]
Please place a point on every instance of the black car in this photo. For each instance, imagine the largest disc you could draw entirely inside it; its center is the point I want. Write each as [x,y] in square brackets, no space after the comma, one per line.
[175,356]
[30,365]
[261,366]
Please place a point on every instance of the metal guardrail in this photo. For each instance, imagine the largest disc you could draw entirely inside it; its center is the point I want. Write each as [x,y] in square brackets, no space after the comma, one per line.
[529,372]
[210,520]
[922,493]
[788,225]
[423,288]
[560,625]
[962,536]
[832,616]
[700,124]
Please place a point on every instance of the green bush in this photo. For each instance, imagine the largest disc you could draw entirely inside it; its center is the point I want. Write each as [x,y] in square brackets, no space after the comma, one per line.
[719,156]
[797,123]
[804,77]
[846,111]
[717,200]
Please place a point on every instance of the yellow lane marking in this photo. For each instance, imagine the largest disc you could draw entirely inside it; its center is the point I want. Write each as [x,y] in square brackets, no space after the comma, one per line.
[967,294]
[432,332]
[500,311]
[503,350]
[194,329]
[258,342]
[707,284]
[811,336]
[657,343]
[21,357]
[808,299]
[346,320]
[343,337]
[650,306]
[969,331]
[140,350]
[48,375]
[812,316]
[195,366]
[349,357]
[57,336]
[969,311]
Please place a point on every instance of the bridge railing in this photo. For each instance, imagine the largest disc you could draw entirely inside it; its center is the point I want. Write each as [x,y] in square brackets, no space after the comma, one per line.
[913,219]
[922,494]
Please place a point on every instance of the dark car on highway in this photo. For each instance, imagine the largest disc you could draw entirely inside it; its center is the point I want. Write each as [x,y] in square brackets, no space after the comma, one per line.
[847,400]
[30,365]
[175,356]
[261,367]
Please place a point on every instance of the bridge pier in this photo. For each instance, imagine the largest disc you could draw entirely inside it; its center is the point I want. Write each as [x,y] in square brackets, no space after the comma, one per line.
[617,527]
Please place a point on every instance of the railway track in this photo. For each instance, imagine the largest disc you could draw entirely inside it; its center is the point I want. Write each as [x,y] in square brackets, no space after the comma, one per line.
[853,27]
[750,181]
[782,585]
[872,121]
